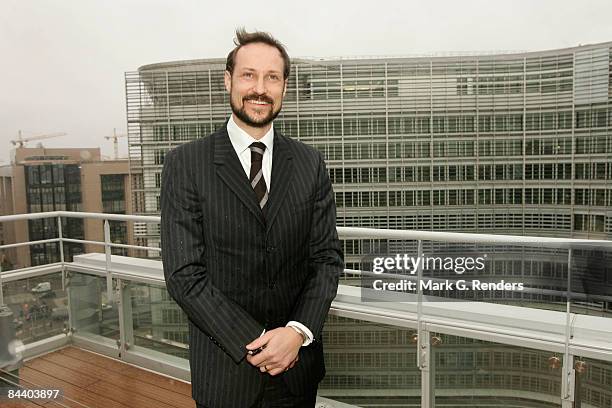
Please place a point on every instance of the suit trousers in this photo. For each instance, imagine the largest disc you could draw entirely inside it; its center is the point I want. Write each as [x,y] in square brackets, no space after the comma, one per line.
[276,395]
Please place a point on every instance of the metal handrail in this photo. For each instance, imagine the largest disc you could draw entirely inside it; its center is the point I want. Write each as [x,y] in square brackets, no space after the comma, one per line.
[462,237]
[79,214]
[344,232]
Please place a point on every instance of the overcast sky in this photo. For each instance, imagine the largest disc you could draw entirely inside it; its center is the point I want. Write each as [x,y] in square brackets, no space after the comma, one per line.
[63,62]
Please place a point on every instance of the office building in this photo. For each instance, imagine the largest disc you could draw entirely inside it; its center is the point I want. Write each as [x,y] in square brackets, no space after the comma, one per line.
[507,143]
[71,179]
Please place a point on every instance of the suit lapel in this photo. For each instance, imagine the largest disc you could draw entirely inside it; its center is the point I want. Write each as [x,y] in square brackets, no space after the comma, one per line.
[282,176]
[232,173]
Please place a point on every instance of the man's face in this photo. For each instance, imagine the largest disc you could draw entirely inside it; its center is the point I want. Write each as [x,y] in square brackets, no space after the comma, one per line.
[257,85]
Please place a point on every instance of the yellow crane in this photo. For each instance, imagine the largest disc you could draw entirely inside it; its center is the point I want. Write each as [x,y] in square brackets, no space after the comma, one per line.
[21,141]
[114,137]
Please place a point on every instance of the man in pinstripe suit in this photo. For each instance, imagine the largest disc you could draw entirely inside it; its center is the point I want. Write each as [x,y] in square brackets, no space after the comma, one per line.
[249,244]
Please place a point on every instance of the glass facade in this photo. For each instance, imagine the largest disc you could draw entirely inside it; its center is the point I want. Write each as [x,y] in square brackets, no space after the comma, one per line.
[113,202]
[53,187]
[514,143]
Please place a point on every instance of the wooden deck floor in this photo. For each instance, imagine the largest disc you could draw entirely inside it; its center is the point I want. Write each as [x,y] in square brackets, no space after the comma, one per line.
[89,380]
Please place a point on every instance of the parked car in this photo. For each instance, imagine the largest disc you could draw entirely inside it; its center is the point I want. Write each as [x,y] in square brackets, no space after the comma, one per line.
[48,295]
[42,287]
[59,313]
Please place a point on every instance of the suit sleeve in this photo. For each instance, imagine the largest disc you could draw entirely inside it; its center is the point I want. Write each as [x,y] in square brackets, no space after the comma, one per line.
[185,265]
[326,260]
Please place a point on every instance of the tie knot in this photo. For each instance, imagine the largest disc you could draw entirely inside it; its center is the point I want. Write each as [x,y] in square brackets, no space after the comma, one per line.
[257,151]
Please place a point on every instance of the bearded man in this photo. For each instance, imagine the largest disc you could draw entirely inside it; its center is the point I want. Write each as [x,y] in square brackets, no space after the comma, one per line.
[249,244]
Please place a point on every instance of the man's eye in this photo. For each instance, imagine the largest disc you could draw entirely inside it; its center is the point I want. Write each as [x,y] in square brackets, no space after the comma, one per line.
[273,77]
[247,75]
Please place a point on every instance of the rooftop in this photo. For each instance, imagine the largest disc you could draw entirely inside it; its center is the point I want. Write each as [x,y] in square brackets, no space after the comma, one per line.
[196,64]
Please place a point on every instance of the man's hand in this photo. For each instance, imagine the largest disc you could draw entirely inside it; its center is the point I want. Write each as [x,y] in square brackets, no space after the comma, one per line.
[280,350]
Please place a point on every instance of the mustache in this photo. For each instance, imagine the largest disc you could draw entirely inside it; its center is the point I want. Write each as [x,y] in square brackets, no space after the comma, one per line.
[260,98]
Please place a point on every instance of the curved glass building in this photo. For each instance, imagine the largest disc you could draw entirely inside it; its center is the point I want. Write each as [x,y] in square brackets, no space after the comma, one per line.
[510,143]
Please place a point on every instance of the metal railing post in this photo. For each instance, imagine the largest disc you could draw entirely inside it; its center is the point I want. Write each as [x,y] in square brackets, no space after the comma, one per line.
[569,374]
[107,252]
[60,235]
[568,384]
[419,300]
[423,341]
[428,397]
[1,291]
[124,313]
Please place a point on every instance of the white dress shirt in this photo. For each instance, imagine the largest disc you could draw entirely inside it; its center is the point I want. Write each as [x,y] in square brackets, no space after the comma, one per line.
[241,141]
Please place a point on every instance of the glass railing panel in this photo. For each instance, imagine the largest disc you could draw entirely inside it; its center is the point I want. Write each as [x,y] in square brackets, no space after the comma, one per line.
[158,322]
[524,275]
[350,278]
[358,255]
[39,306]
[146,234]
[91,310]
[591,281]
[593,383]
[369,364]
[470,372]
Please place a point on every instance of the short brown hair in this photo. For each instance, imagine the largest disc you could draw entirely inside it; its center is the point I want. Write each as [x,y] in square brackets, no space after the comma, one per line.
[243,38]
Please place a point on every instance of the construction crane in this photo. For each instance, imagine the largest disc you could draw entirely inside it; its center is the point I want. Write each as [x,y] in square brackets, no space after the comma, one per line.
[21,141]
[115,136]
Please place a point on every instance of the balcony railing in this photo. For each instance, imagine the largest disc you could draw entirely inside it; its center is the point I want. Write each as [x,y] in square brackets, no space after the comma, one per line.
[550,346]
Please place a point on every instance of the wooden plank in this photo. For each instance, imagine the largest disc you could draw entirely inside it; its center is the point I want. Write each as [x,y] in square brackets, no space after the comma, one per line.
[134,397]
[83,397]
[54,404]
[25,403]
[19,403]
[79,378]
[129,370]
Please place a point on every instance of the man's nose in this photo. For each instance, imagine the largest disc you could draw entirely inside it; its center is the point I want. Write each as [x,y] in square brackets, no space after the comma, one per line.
[260,86]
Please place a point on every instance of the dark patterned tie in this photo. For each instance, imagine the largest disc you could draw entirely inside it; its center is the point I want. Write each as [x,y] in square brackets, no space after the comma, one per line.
[257,180]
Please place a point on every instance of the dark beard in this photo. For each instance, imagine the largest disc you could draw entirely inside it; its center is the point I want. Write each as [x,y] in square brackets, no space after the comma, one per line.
[242,115]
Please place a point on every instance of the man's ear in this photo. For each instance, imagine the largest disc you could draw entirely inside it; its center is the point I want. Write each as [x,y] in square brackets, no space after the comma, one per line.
[227,79]
[285,88]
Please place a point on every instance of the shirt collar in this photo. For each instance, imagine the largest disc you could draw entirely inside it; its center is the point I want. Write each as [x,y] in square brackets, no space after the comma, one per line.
[241,140]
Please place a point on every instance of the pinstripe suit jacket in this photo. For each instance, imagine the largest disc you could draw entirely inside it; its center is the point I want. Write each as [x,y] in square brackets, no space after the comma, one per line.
[235,269]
